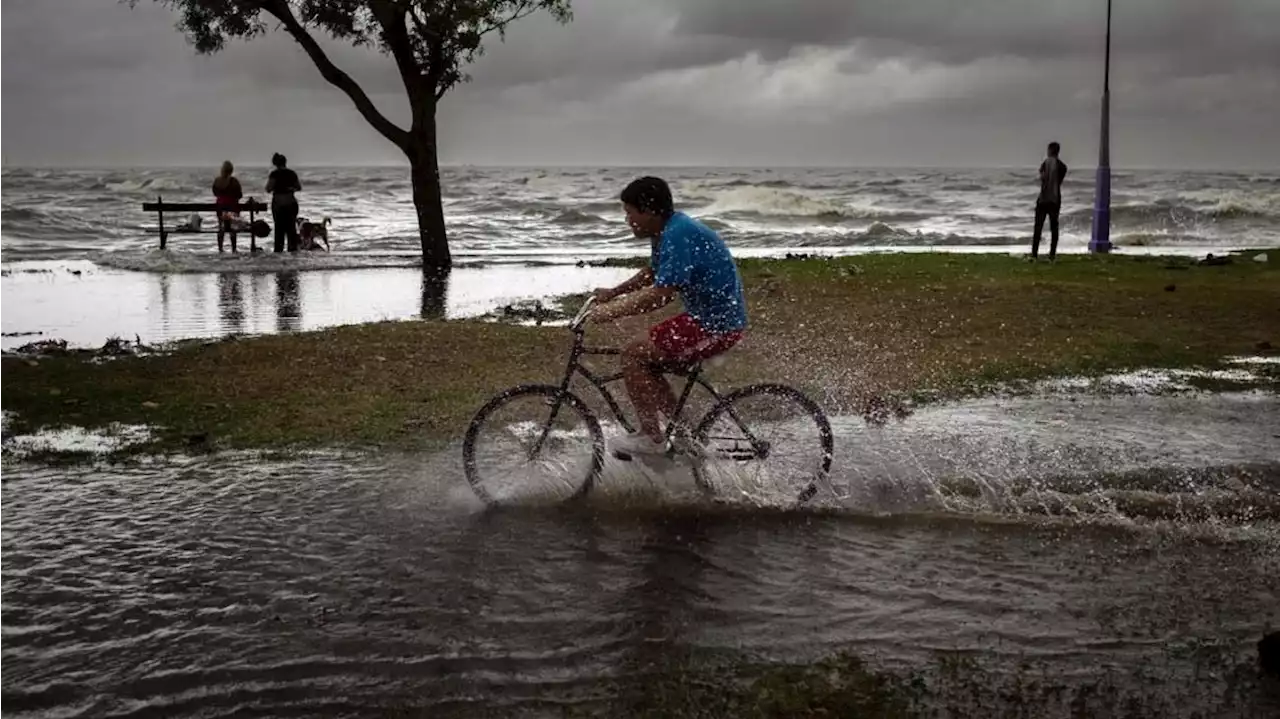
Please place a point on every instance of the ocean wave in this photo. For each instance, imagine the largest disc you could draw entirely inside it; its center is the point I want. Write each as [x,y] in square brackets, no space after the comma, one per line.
[777,184]
[21,214]
[576,217]
[39,224]
[1165,212]
[879,234]
[1149,239]
[774,202]
[66,212]
[150,184]
[891,182]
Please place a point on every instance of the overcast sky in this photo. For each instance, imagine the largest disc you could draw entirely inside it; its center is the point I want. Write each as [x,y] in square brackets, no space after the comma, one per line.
[1195,83]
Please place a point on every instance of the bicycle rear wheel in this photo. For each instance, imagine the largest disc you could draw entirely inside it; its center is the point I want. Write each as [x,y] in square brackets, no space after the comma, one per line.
[768,441]
[533,440]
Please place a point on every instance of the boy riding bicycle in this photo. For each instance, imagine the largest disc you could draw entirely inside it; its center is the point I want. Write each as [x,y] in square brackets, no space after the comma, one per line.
[688,259]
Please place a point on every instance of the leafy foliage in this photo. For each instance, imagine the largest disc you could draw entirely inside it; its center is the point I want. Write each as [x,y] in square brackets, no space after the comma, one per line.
[430,40]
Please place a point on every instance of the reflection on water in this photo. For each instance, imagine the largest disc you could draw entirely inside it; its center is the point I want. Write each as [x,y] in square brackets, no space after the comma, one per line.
[288,302]
[231,302]
[89,307]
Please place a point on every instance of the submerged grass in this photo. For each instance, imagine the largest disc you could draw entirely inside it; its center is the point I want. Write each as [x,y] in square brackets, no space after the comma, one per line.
[844,329]
[1195,678]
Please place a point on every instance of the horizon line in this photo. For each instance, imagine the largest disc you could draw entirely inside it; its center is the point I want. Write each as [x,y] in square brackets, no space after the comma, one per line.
[630,165]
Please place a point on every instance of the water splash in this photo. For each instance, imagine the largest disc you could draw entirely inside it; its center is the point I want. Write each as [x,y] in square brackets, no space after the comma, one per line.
[73,440]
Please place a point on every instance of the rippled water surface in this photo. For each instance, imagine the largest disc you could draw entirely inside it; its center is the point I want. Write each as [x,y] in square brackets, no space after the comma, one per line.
[349,585]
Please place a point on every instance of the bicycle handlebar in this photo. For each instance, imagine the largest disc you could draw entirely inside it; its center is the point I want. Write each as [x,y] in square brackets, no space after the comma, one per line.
[579,318]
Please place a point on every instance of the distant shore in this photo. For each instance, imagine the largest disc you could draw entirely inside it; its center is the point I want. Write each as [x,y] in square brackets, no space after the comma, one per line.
[846,329]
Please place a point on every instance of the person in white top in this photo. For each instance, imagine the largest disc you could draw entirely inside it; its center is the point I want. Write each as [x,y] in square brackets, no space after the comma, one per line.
[1052,172]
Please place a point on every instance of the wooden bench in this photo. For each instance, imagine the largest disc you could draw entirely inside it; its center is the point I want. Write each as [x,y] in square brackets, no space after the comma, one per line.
[160,207]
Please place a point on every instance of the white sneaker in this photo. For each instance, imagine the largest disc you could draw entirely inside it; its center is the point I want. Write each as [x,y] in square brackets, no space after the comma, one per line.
[637,443]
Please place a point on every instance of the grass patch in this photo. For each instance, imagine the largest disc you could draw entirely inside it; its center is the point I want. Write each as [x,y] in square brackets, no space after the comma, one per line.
[843,329]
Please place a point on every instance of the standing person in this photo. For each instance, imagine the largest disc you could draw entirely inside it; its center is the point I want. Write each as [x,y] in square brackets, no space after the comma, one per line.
[282,183]
[1052,172]
[226,191]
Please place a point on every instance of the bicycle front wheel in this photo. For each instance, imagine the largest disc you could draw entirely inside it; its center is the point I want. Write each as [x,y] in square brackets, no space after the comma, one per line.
[768,441]
[533,440]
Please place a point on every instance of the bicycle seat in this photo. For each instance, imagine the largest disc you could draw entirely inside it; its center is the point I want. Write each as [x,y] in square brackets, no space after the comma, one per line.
[716,360]
[684,368]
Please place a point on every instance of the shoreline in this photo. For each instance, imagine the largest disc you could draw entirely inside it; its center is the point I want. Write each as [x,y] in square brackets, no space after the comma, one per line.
[913,327]
[155,260]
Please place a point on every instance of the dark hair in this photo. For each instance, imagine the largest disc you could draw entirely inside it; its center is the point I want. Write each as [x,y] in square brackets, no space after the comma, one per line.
[1054,148]
[278,160]
[649,194]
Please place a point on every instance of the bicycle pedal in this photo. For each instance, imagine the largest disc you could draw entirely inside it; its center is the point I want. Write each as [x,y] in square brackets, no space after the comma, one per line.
[646,459]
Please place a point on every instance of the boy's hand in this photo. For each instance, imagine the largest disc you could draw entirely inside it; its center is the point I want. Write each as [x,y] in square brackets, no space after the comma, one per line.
[599,313]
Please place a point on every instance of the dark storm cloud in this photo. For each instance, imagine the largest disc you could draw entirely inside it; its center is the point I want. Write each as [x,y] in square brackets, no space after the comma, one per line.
[57,50]
[685,81]
[1209,35]
[607,41]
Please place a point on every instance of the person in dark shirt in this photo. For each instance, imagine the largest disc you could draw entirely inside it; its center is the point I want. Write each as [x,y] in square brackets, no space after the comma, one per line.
[282,183]
[1052,172]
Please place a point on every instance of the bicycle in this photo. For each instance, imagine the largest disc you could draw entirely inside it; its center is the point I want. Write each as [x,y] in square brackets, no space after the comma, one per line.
[744,446]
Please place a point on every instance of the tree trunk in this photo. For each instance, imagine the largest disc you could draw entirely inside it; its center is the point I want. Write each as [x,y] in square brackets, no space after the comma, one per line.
[425,171]
[435,293]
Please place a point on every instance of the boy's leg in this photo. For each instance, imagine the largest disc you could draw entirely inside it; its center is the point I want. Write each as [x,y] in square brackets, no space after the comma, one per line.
[650,394]
[649,391]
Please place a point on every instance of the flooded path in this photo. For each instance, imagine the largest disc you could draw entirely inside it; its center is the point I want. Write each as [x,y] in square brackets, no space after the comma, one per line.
[1032,535]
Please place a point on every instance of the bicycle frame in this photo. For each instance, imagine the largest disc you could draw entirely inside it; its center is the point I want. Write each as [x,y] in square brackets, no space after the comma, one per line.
[575,366]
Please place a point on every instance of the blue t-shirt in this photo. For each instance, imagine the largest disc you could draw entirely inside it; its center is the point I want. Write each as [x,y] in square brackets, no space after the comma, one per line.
[693,258]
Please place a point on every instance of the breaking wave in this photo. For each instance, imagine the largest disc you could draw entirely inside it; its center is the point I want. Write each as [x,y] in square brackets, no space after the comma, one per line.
[779,203]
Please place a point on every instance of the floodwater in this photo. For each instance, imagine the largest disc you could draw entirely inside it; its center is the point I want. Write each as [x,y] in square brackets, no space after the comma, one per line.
[1131,543]
[86,304]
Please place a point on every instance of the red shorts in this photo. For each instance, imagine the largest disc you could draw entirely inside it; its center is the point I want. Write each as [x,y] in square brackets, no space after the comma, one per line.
[682,341]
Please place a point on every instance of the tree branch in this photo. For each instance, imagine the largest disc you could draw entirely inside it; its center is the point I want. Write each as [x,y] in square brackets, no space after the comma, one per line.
[435,53]
[391,16]
[524,9]
[336,77]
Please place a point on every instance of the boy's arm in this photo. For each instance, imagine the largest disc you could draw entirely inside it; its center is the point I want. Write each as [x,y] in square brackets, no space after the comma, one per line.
[639,280]
[636,303]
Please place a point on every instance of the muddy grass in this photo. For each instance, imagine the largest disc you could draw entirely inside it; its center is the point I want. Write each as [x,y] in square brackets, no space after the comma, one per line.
[953,685]
[843,329]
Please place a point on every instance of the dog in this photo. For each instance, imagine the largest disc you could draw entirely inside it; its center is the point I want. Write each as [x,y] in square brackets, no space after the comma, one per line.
[309,232]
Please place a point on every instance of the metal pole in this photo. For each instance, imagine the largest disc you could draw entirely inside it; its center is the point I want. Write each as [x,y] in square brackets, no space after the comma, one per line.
[1101,238]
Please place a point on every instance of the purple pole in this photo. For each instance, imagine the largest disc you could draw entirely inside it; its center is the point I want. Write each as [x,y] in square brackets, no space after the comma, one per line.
[1101,239]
